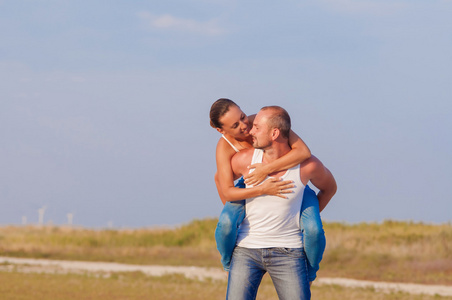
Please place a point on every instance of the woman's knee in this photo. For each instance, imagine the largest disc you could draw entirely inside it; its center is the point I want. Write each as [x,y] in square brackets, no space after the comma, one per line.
[313,229]
[225,222]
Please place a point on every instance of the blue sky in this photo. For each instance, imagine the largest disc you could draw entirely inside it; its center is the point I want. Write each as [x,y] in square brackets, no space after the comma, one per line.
[104,104]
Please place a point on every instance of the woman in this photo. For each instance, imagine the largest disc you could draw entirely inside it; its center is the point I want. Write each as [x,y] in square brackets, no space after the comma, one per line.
[228,119]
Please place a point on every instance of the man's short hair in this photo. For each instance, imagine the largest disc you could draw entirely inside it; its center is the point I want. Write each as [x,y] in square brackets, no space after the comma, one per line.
[279,119]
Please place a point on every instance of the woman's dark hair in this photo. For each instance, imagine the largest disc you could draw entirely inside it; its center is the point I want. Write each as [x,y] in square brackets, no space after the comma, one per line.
[218,109]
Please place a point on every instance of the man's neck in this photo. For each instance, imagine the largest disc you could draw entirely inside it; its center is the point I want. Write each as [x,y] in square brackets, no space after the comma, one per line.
[274,152]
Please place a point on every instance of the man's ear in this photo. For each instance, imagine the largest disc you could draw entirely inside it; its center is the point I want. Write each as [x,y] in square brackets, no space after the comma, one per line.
[275,133]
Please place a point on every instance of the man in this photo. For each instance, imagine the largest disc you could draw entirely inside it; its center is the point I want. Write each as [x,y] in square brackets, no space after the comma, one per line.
[269,238]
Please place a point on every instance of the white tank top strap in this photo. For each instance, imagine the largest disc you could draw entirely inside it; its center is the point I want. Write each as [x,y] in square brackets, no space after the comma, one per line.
[233,147]
[258,155]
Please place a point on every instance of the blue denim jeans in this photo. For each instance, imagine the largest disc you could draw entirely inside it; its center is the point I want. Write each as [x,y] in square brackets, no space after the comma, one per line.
[310,223]
[287,268]
[314,241]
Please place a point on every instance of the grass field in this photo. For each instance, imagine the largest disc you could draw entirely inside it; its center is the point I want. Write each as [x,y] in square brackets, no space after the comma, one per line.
[390,251]
[136,286]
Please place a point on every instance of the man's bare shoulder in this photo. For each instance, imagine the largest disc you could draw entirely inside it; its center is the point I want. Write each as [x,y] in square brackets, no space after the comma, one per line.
[244,155]
[242,160]
[310,165]
[311,162]
[313,169]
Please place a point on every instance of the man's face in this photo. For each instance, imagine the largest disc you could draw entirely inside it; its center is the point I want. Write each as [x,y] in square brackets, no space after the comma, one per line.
[260,132]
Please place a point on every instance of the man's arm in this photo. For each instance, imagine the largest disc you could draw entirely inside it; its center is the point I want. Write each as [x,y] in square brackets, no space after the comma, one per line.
[313,170]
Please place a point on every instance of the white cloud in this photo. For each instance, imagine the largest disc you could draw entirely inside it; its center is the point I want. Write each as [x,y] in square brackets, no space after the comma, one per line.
[169,22]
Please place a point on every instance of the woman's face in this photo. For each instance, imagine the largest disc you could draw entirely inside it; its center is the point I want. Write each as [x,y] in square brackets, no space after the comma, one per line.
[235,123]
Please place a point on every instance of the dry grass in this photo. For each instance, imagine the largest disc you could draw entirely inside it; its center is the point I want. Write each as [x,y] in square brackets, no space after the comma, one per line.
[136,286]
[191,244]
[391,251]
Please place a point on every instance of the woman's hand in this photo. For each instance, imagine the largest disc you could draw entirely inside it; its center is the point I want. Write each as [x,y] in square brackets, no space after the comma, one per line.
[257,176]
[277,187]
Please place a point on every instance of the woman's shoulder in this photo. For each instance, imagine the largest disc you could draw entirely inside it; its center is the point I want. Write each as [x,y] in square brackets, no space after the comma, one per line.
[224,148]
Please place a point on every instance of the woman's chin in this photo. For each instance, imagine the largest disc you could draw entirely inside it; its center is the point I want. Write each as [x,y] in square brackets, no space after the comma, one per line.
[242,137]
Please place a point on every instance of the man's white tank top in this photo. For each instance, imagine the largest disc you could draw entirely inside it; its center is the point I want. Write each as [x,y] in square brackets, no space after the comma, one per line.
[272,221]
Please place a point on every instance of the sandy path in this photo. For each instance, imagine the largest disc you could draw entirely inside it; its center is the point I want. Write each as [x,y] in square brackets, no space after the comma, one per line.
[63,266]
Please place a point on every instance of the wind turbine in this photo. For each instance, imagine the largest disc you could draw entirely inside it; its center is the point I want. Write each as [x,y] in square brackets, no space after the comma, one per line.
[41,212]
[70,217]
